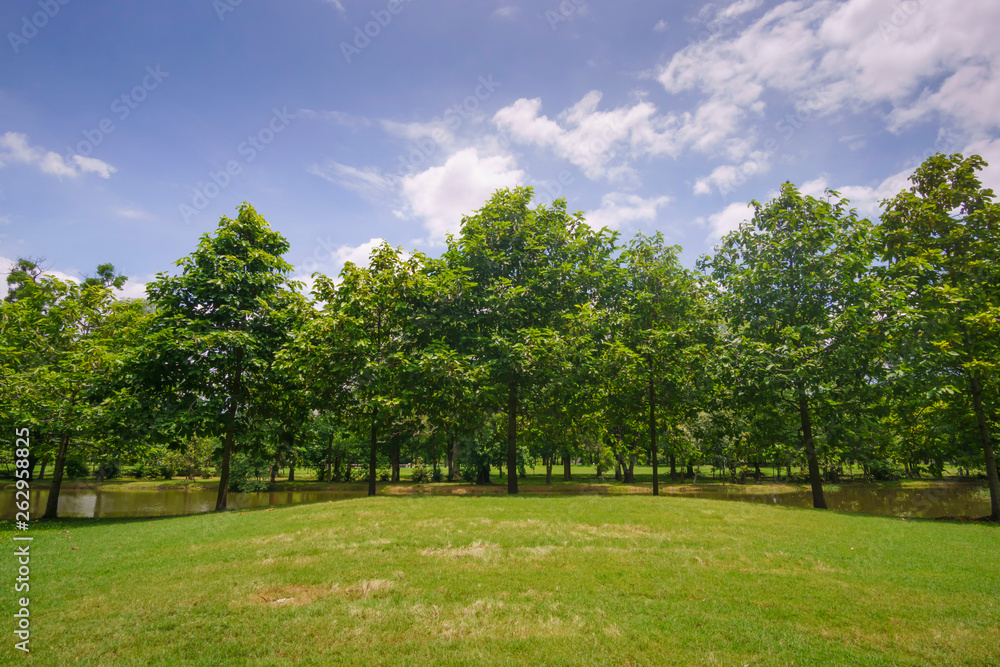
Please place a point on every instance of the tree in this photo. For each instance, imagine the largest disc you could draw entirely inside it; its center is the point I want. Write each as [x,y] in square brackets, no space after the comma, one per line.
[351,356]
[662,330]
[941,240]
[23,277]
[218,326]
[61,344]
[797,298]
[528,267]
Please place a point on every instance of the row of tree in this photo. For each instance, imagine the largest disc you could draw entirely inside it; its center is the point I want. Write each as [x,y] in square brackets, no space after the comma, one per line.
[811,337]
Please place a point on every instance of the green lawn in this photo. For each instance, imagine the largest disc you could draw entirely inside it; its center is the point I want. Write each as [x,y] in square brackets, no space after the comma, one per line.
[580,580]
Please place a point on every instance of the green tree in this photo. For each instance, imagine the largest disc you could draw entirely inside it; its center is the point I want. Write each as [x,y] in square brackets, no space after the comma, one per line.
[61,344]
[663,331]
[941,240]
[797,296]
[528,267]
[351,357]
[218,326]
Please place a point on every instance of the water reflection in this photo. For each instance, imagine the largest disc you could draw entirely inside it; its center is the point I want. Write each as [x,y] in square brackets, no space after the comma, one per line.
[93,503]
[929,503]
[932,502]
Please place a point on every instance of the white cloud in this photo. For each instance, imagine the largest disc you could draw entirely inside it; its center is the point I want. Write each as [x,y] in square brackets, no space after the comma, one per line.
[132,213]
[661,26]
[338,117]
[916,58]
[598,142]
[619,209]
[507,12]
[15,149]
[442,195]
[328,259]
[727,178]
[727,220]
[337,4]
[370,183]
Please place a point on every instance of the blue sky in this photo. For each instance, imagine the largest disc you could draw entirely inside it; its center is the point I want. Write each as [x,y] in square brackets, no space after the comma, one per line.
[128,129]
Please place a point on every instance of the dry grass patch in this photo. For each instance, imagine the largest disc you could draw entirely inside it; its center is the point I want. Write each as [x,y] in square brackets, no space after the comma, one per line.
[477,549]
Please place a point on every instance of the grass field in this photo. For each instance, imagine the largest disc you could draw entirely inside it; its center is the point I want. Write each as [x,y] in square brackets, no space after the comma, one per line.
[577,580]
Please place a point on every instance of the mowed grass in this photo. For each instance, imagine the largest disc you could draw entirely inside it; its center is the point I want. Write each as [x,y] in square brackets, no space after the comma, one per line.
[586,580]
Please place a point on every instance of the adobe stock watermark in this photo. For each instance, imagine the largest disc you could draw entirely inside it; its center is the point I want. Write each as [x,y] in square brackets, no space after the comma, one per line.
[223,7]
[563,12]
[372,29]
[717,27]
[901,14]
[248,150]
[31,25]
[122,107]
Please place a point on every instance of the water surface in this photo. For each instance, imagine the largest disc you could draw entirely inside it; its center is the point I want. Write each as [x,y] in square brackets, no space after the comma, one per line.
[92,503]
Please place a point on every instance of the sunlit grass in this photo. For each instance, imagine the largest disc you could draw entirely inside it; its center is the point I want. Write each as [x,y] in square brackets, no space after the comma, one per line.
[513,580]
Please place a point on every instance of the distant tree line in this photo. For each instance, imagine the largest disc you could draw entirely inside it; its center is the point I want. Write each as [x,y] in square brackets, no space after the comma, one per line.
[812,340]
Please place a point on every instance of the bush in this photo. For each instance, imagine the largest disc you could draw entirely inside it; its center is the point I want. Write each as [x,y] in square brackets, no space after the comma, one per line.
[436,475]
[74,467]
[383,474]
[166,472]
[469,472]
[882,471]
[421,474]
[112,469]
[248,475]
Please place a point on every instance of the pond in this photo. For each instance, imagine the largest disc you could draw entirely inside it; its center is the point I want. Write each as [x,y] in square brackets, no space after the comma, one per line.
[91,503]
[949,499]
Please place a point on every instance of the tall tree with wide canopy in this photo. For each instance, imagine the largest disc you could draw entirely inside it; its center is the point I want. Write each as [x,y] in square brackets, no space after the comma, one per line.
[662,329]
[61,344]
[798,299]
[352,356]
[941,240]
[218,326]
[528,268]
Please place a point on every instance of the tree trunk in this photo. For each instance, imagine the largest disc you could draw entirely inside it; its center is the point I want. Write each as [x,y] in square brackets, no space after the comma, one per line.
[41,472]
[673,468]
[987,441]
[274,472]
[328,476]
[631,469]
[454,457]
[652,440]
[567,470]
[291,457]
[222,499]
[336,474]
[434,457]
[819,502]
[52,506]
[548,469]
[394,459]
[372,455]
[236,390]
[690,470]
[618,471]
[512,439]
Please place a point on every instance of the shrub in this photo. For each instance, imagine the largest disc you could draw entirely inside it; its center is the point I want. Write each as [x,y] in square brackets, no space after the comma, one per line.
[882,471]
[74,467]
[436,475]
[469,472]
[421,474]
[248,475]
[166,472]
[112,469]
[383,474]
